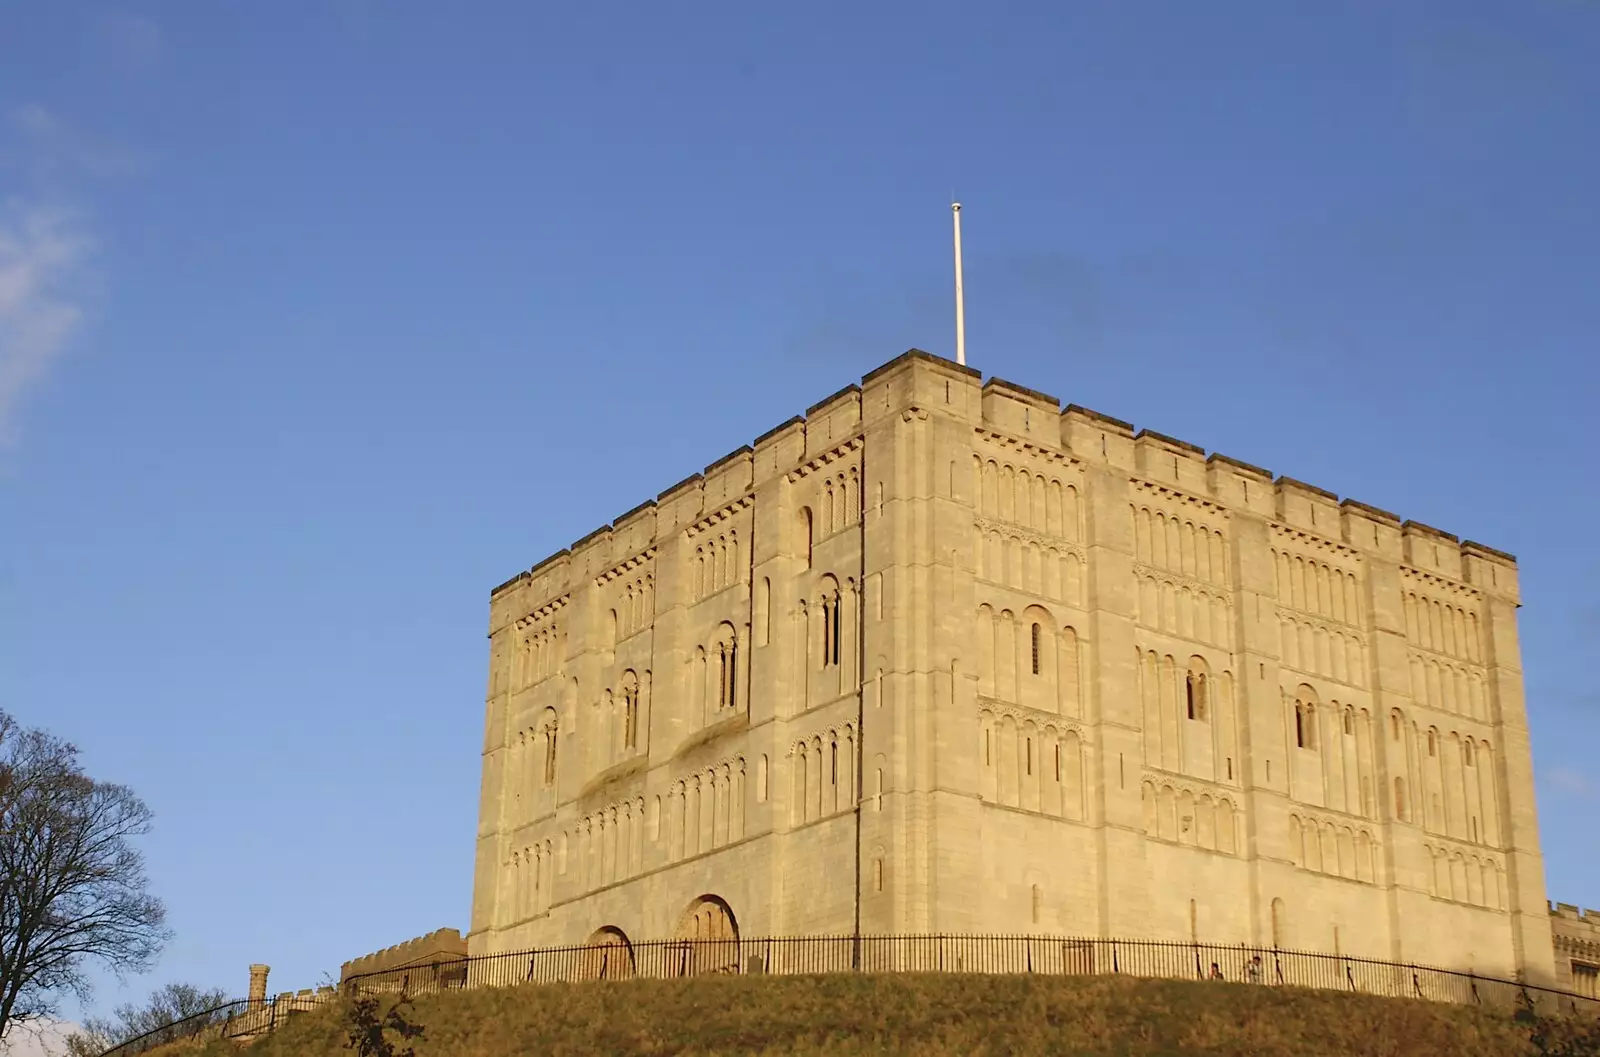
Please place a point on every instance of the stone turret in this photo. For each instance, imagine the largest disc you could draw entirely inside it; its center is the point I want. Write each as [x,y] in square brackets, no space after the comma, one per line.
[258,985]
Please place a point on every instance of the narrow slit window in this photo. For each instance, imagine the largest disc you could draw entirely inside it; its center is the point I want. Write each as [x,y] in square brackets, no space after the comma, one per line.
[834,615]
[827,631]
[1035,643]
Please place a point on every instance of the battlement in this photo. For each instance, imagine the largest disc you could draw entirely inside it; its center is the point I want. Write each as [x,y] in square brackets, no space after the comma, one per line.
[1569,912]
[920,380]
[441,945]
[911,379]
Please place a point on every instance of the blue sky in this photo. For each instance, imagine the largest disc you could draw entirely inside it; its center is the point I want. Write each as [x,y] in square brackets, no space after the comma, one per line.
[317,321]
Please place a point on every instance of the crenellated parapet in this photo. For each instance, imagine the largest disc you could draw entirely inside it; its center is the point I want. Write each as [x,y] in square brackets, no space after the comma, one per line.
[1032,419]
[796,446]
[1576,937]
[439,946]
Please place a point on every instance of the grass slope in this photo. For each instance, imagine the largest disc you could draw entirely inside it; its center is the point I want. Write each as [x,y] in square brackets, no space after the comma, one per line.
[930,1016]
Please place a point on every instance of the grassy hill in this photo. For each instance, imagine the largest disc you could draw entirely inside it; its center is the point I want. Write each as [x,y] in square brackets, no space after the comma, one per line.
[930,1016]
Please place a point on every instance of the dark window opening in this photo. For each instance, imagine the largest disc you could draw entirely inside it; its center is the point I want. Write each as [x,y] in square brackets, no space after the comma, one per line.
[834,659]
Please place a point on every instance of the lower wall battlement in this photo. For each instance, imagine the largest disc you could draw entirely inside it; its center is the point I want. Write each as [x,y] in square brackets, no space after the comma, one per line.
[1572,913]
[437,946]
[1575,935]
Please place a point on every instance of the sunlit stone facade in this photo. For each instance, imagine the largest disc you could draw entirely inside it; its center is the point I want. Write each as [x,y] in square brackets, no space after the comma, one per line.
[941,656]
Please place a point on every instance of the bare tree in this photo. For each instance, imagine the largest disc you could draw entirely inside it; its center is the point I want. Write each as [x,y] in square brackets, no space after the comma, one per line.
[173,1012]
[72,885]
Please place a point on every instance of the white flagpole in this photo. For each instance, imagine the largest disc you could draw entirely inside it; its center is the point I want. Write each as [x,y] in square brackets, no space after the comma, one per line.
[961,316]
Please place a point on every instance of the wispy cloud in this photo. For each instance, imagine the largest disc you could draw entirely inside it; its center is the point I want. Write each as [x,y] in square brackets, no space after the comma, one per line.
[42,252]
[1571,782]
[45,246]
[51,151]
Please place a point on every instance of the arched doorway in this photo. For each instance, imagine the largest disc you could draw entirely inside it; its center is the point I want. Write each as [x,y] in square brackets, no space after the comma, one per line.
[606,955]
[707,938]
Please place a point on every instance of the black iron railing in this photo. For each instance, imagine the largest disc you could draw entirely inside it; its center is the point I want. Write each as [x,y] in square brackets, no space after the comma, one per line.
[239,1019]
[1058,956]
[809,955]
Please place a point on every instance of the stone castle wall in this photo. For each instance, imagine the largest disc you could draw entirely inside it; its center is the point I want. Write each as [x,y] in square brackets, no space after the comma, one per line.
[1078,678]
[441,946]
[1577,948]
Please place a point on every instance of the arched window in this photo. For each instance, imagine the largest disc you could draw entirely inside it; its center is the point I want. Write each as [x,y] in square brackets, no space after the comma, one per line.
[630,710]
[830,622]
[835,659]
[1349,720]
[1466,752]
[803,534]
[548,729]
[763,608]
[1400,799]
[727,658]
[722,675]
[1433,743]
[1303,724]
[1035,643]
[1194,689]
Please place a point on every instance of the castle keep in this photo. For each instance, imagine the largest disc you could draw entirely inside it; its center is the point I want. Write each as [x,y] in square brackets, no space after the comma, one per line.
[943,657]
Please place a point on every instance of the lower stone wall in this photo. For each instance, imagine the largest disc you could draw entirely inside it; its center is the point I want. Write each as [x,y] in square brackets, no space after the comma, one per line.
[435,952]
[1577,944]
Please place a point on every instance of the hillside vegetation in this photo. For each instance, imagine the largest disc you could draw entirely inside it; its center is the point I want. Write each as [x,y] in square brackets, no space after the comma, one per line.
[932,1015]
